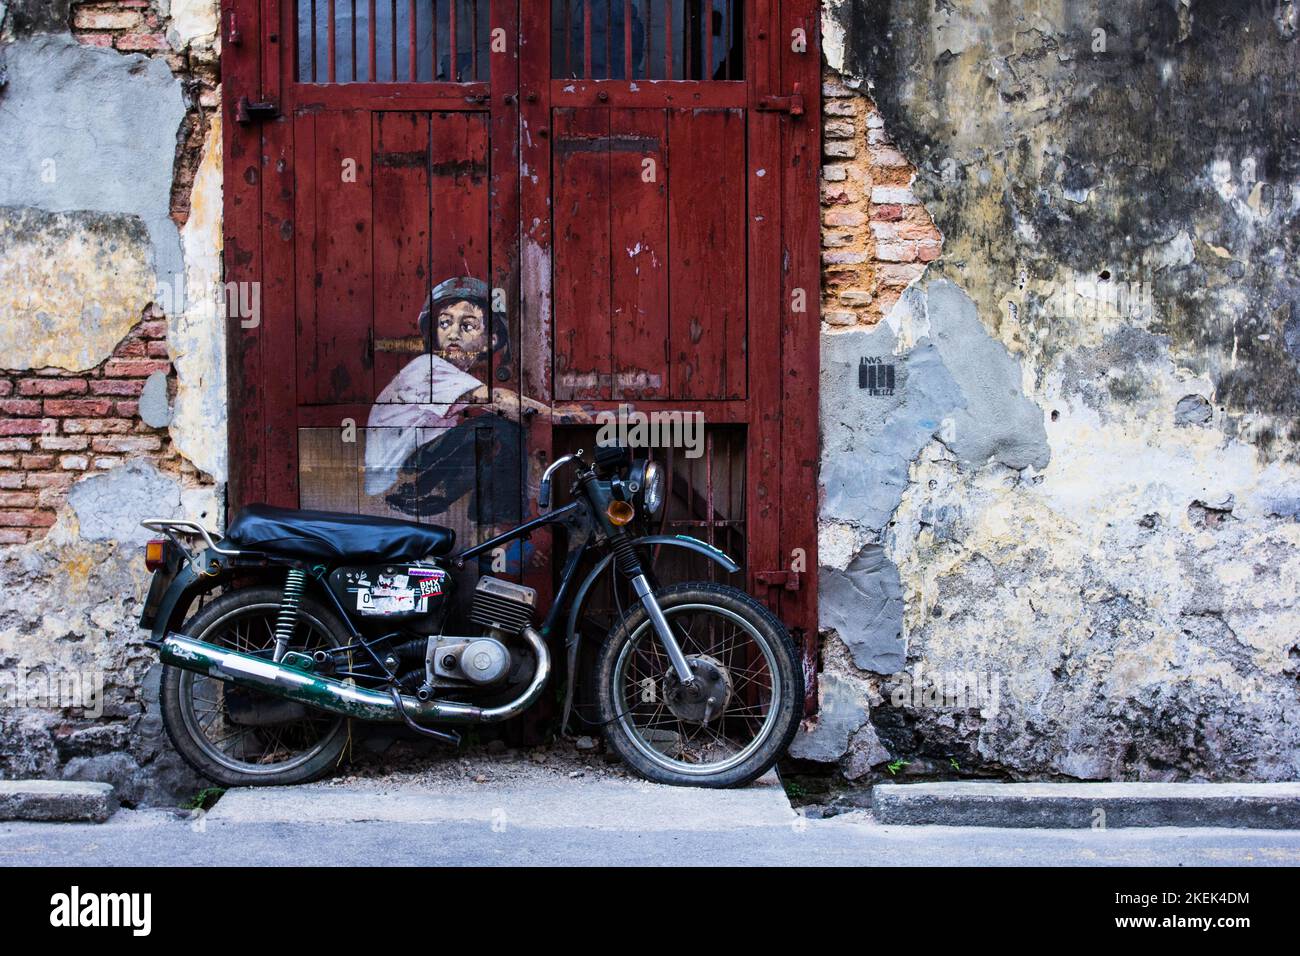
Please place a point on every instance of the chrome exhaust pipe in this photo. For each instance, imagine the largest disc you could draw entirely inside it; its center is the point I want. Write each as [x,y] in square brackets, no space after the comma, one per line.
[336,696]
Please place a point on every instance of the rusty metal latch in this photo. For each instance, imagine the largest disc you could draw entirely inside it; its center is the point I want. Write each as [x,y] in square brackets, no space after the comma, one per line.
[247,112]
[792,104]
[778,579]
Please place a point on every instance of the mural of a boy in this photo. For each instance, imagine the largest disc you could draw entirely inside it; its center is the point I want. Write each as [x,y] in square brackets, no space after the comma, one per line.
[422,454]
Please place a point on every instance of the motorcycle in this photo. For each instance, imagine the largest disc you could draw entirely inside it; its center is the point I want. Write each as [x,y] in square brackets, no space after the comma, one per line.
[307,620]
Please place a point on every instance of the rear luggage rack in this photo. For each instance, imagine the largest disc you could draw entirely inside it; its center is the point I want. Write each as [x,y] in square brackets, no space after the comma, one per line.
[171,527]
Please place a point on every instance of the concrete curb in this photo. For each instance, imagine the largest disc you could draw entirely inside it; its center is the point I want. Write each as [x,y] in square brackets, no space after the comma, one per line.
[1266,806]
[72,801]
[548,803]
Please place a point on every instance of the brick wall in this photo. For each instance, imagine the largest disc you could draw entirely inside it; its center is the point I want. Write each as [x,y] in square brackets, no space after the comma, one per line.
[876,237]
[56,426]
[132,26]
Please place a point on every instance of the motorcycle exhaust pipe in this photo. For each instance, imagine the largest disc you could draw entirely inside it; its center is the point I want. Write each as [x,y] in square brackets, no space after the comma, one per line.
[349,700]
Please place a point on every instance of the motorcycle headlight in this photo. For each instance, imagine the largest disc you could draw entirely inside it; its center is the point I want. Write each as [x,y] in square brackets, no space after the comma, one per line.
[652,499]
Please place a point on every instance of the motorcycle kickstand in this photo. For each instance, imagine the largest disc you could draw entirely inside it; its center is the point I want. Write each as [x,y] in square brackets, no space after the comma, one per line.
[446,736]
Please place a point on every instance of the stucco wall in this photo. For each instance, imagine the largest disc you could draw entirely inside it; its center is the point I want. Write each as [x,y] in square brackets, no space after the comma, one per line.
[1059,465]
[1064,543]
[112,389]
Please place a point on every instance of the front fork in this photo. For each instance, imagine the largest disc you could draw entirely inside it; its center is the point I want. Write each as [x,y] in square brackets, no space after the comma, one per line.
[645,594]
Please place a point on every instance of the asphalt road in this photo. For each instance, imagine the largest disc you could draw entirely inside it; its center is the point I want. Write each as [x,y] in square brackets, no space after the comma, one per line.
[163,838]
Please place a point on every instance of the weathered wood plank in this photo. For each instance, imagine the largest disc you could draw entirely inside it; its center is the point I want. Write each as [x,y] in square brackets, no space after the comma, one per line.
[638,257]
[344,259]
[581,254]
[706,251]
[401,240]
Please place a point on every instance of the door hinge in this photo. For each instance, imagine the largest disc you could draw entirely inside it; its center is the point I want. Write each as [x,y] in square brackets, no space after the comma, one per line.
[778,579]
[247,111]
[792,104]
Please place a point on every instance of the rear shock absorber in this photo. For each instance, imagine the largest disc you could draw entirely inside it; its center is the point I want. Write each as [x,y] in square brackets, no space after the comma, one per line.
[287,619]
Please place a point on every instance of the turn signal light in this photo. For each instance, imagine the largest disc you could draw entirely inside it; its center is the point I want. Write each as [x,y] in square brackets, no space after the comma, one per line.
[155,554]
[620,513]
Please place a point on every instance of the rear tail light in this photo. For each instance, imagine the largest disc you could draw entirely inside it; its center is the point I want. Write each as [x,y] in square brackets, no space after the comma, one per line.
[155,554]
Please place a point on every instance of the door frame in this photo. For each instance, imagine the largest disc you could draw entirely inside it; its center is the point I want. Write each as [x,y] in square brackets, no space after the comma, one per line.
[783,433]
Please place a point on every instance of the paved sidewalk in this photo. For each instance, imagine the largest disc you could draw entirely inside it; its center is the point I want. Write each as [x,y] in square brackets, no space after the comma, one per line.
[152,838]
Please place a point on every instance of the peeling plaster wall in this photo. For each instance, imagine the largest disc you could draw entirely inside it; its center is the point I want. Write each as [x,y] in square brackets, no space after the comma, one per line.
[113,386]
[1072,511]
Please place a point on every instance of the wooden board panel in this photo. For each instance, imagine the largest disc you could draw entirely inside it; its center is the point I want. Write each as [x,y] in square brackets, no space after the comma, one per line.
[707,252]
[341,322]
[581,254]
[304,250]
[800,346]
[638,259]
[278,305]
[401,240]
[327,470]
[242,256]
[460,195]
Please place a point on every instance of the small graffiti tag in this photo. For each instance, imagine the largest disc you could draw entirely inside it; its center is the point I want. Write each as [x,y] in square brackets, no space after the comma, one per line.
[876,376]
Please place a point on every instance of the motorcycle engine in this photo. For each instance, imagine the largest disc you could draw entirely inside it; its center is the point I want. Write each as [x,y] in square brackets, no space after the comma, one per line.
[504,609]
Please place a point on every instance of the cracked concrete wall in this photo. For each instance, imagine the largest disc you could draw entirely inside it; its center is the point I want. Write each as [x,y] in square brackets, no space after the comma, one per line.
[113,387]
[1069,506]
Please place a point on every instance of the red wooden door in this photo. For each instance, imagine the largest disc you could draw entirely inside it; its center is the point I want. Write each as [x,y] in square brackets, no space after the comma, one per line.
[670,220]
[589,204]
[386,162]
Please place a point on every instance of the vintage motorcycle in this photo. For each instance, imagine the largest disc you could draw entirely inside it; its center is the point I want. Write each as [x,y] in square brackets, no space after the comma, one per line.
[308,619]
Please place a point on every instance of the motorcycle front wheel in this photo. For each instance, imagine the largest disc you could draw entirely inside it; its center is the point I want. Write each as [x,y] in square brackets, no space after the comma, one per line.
[731,724]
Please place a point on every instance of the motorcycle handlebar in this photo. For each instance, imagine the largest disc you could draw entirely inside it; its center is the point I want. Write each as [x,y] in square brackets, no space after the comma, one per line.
[544,490]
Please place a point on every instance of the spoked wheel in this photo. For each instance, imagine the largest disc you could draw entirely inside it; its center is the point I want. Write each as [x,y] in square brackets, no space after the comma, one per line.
[242,737]
[733,721]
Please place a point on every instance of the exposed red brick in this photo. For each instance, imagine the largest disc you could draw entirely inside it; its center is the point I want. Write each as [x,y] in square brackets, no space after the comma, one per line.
[62,443]
[52,479]
[26,519]
[127,445]
[52,386]
[21,406]
[141,42]
[131,348]
[117,386]
[96,426]
[61,407]
[134,367]
[22,426]
[104,17]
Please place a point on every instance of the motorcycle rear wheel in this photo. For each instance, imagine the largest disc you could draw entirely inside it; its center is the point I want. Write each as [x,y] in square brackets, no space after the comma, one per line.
[197,710]
[741,715]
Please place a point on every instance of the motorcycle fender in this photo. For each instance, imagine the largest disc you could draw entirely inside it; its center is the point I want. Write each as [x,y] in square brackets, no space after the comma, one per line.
[188,585]
[571,636]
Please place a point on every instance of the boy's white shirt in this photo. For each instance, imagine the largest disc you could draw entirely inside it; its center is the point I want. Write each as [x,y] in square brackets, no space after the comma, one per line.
[421,396]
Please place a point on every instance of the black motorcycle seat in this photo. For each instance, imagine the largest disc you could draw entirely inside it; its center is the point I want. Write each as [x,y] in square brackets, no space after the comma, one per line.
[334,536]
